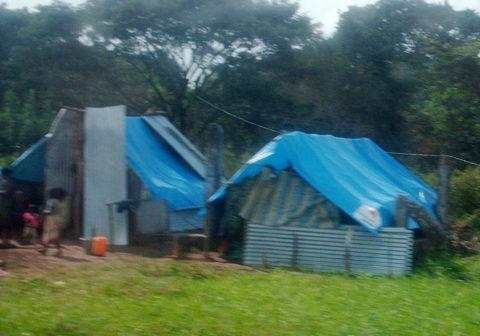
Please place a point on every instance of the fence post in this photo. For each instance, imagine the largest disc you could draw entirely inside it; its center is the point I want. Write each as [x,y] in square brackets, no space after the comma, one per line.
[443,190]
[295,251]
[348,244]
[213,180]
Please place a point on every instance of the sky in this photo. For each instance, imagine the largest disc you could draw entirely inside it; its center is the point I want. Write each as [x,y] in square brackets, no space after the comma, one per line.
[322,11]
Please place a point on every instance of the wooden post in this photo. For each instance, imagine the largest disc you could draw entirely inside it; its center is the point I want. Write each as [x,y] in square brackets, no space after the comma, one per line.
[78,183]
[176,247]
[214,160]
[295,252]
[213,180]
[441,208]
[401,212]
[111,222]
[264,259]
[348,244]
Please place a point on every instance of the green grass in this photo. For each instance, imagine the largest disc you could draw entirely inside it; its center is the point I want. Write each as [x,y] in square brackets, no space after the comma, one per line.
[158,298]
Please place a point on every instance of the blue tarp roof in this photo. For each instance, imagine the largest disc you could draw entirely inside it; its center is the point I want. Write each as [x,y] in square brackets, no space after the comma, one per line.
[30,165]
[166,175]
[355,174]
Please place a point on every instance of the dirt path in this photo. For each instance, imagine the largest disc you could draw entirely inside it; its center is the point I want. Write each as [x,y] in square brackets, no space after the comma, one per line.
[26,259]
[22,260]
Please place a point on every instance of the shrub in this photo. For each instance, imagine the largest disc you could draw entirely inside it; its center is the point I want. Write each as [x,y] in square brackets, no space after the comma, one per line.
[465,196]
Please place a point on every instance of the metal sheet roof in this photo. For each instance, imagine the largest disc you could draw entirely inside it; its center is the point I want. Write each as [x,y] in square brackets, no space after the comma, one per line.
[165,129]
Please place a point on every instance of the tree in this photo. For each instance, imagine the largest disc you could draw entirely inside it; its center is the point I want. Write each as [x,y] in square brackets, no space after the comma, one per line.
[447,110]
[178,46]
[10,24]
[383,48]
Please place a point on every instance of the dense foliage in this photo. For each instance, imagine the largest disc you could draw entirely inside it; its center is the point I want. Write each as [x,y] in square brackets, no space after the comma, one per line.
[404,73]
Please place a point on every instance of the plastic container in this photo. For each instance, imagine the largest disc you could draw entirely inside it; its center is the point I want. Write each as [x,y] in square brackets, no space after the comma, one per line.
[99,246]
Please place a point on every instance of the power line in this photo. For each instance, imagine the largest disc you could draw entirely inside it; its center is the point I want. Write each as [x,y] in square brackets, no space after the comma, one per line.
[274,131]
[237,117]
[436,155]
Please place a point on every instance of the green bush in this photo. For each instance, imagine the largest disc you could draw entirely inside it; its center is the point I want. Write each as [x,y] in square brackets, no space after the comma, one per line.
[465,196]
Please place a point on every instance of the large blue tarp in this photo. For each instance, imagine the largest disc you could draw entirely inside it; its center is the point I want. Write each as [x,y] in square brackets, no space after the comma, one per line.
[30,166]
[165,173]
[355,174]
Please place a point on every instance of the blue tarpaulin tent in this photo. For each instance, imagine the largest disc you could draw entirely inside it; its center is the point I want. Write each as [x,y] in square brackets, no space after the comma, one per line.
[165,172]
[355,174]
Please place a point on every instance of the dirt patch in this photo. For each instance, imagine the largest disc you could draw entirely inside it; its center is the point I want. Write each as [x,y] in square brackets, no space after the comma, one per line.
[26,259]
[22,260]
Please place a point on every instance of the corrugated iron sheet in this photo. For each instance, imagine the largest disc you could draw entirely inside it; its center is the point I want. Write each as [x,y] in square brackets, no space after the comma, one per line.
[186,220]
[105,172]
[179,143]
[151,216]
[62,144]
[388,252]
[288,200]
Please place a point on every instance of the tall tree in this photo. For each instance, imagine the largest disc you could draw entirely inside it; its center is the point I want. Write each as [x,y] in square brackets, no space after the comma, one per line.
[177,46]
[382,45]
[446,112]
[11,22]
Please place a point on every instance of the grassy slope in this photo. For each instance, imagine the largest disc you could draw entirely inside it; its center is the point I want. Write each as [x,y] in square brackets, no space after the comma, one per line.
[154,298]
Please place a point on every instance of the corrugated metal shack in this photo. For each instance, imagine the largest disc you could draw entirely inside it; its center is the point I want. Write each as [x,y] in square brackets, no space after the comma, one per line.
[87,154]
[320,203]
[324,250]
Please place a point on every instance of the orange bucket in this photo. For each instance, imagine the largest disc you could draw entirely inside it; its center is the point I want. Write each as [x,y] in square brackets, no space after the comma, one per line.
[99,246]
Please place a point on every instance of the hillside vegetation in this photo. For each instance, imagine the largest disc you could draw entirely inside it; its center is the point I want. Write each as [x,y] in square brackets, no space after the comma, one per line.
[404,73]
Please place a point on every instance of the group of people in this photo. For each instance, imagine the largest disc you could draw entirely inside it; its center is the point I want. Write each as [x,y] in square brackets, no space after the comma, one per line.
[26,221]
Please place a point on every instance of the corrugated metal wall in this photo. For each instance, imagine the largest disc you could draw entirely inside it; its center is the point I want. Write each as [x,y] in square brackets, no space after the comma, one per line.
[152,217]
[389,252]
[186,220]
[105,172]
[64,160]
[60,152]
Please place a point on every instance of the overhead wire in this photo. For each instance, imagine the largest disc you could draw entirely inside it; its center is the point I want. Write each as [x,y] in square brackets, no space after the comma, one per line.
[436,155]
[235,116]
[274,131]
